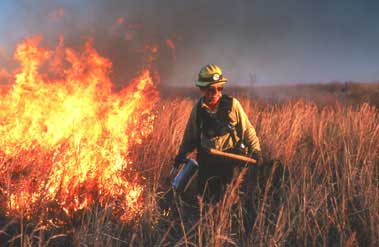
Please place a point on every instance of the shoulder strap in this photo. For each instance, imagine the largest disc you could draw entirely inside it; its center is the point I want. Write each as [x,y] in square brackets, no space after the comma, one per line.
[222,114]
[225,107]
[198,115]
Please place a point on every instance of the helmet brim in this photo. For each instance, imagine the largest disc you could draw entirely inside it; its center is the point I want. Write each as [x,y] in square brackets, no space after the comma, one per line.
[207,83]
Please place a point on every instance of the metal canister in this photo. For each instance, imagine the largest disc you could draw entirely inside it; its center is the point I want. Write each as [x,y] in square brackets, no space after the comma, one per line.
[185,176]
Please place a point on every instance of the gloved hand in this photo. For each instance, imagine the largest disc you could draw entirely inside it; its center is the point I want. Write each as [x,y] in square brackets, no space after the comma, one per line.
[257,155]
[180,158]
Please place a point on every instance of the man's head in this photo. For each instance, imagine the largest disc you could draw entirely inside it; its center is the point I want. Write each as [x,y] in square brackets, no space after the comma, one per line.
[211,82]
[212,94]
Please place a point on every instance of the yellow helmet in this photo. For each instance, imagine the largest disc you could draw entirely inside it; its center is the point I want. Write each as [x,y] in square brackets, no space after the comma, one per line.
[210,74]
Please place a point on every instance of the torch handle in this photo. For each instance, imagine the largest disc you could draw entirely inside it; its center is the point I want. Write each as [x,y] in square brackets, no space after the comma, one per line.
[232,156]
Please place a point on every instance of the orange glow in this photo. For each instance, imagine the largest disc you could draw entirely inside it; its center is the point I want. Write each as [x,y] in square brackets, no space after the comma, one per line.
[66,138]
[4,75]
[151,48]
[129,35]
[57,14]
[119,21]
[170,43]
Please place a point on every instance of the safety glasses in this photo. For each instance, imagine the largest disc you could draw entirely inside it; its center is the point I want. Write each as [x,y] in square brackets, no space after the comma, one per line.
[214,89]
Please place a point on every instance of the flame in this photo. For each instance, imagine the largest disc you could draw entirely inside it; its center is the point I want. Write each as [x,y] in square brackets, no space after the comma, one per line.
[66,138]
[170,44]
[4,75]
[151,48]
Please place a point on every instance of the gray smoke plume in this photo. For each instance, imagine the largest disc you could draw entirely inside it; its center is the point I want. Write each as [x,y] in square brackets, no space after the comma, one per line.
[276,41]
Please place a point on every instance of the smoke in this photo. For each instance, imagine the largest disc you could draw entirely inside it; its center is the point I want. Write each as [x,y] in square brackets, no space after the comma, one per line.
[189,34]
[279,41]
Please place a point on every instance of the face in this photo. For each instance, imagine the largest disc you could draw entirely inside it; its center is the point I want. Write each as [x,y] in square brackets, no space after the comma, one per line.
[212,94]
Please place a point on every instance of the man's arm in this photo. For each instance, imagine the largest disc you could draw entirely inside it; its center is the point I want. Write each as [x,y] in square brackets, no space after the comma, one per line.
[249,135]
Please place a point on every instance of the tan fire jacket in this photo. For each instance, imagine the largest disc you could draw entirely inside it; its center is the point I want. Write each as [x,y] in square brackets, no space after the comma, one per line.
[239,120]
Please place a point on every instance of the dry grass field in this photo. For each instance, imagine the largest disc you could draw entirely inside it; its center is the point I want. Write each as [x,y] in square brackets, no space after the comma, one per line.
[330,196]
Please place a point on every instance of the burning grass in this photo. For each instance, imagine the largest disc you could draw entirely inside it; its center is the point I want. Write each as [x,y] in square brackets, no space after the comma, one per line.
[331,195]
[52,181]
[67,141]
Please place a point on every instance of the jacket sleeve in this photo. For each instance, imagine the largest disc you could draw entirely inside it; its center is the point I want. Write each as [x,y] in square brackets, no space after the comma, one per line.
[249,135]
[191,137]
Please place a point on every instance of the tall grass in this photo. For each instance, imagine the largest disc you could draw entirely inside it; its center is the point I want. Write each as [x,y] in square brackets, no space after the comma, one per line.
[329,198]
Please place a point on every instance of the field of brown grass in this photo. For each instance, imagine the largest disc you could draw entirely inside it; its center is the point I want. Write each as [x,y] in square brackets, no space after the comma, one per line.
[329,198]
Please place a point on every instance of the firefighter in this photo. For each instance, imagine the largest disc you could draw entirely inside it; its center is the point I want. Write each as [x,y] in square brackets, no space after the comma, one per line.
[217,121]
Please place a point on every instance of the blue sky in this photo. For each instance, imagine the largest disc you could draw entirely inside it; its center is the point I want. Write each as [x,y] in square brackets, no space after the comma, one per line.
[282,41]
